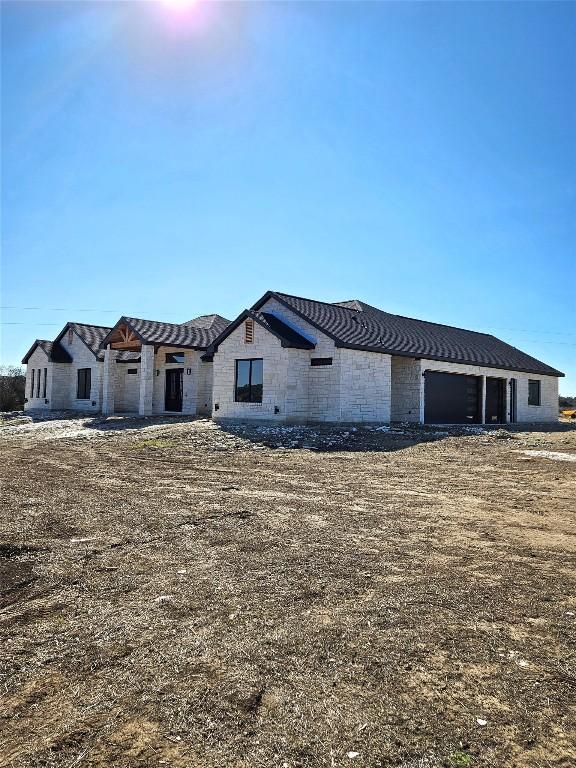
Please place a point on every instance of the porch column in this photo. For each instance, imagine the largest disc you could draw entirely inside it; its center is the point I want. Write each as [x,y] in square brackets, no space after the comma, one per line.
[146,380]
[507,403]
[483,399]
[108,381]
[422,394]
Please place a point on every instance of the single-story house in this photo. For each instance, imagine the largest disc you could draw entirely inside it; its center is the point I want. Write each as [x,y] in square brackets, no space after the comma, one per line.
[294,360]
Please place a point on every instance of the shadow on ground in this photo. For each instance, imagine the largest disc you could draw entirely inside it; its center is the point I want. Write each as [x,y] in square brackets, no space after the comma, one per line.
[213,436]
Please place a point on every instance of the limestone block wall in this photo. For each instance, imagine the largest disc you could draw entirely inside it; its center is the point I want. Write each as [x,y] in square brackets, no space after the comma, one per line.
[38,362]
[204,398]
[313,392]
[406,383]
[275,375]
[365,386]
[193,382]
[82,357]
[127,388]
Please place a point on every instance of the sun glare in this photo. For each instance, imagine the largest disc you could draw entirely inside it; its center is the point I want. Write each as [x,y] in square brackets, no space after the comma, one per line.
[178,5]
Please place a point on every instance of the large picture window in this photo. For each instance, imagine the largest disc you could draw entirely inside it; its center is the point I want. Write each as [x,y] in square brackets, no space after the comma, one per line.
[249,381]
[84,383]
[533,392]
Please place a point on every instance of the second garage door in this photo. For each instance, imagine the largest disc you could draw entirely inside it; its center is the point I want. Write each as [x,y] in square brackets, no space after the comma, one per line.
[450,398]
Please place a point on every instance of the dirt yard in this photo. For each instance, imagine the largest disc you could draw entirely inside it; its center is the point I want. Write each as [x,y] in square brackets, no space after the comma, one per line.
[174,594]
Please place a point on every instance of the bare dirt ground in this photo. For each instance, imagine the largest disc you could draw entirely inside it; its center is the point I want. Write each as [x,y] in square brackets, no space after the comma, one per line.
[176,594]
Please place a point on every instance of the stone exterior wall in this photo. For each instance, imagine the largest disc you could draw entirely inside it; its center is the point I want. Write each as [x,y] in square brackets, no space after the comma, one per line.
[204,399]
[365,386]
[546,412]
[38,362]
[82,357]
[127,389]
[192,383]
[275,366]
[406,382]
[354,388]
[62,383]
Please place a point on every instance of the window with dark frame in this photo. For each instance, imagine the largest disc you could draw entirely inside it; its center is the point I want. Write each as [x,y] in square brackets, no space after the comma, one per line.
[132,370]
[44,387]
[321,361]
[39,376]
[249,381]
[84,383]
[534,392]
[175,357]
[32,383]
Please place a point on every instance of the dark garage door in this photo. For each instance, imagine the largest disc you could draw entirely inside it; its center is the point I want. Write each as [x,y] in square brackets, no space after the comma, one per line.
[450,398]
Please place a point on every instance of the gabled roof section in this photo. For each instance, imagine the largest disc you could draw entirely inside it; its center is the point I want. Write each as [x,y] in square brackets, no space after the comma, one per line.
[164,334]
[54,351]
[357,325]
[91,335]
[288,336]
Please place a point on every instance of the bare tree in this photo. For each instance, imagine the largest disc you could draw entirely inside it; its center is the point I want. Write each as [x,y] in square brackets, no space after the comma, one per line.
[12,385]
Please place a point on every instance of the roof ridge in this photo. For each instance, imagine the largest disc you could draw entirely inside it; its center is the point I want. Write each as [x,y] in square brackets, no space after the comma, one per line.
[317,301]
[147,320]
[89,325]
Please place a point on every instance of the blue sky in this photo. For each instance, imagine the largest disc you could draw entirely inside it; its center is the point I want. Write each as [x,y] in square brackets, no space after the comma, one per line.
[165,164]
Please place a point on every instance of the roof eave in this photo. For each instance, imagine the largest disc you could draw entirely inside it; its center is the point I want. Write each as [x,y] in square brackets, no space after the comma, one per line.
[439,359]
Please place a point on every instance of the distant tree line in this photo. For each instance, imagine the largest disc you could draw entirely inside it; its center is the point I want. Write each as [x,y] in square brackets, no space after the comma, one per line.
[566,402]
[12,384]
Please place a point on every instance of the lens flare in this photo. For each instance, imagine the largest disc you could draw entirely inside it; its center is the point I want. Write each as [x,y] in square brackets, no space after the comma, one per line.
[179,5]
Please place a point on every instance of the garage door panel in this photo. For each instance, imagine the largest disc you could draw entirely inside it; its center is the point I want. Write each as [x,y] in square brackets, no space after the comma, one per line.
[450,398]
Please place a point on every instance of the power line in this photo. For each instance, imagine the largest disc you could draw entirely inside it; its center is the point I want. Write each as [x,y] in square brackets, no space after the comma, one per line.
[120,312]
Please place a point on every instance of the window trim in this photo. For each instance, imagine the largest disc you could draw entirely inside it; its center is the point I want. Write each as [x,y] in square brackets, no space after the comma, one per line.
[174,362]
[87,383]
[250,385]
[539,391]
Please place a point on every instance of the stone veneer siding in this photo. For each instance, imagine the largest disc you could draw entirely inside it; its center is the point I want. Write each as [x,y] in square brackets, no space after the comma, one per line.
[355,388]
[406,382]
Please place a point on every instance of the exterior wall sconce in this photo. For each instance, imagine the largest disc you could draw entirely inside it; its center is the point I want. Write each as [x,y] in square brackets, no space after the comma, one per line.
[276,409]
[188,371]
[216,406]
[157,372]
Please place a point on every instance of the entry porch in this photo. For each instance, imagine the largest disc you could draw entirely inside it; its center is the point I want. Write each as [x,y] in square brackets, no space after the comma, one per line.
[166,379]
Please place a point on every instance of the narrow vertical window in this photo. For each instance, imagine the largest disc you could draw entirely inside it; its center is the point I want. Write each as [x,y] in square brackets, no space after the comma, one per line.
[32,384]
[70,335]
[39,372]
[249,331]
[44,387]
[84,383]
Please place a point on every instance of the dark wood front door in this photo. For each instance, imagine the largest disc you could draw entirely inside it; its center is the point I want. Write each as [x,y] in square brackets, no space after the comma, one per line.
[495,401]
[173,396]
